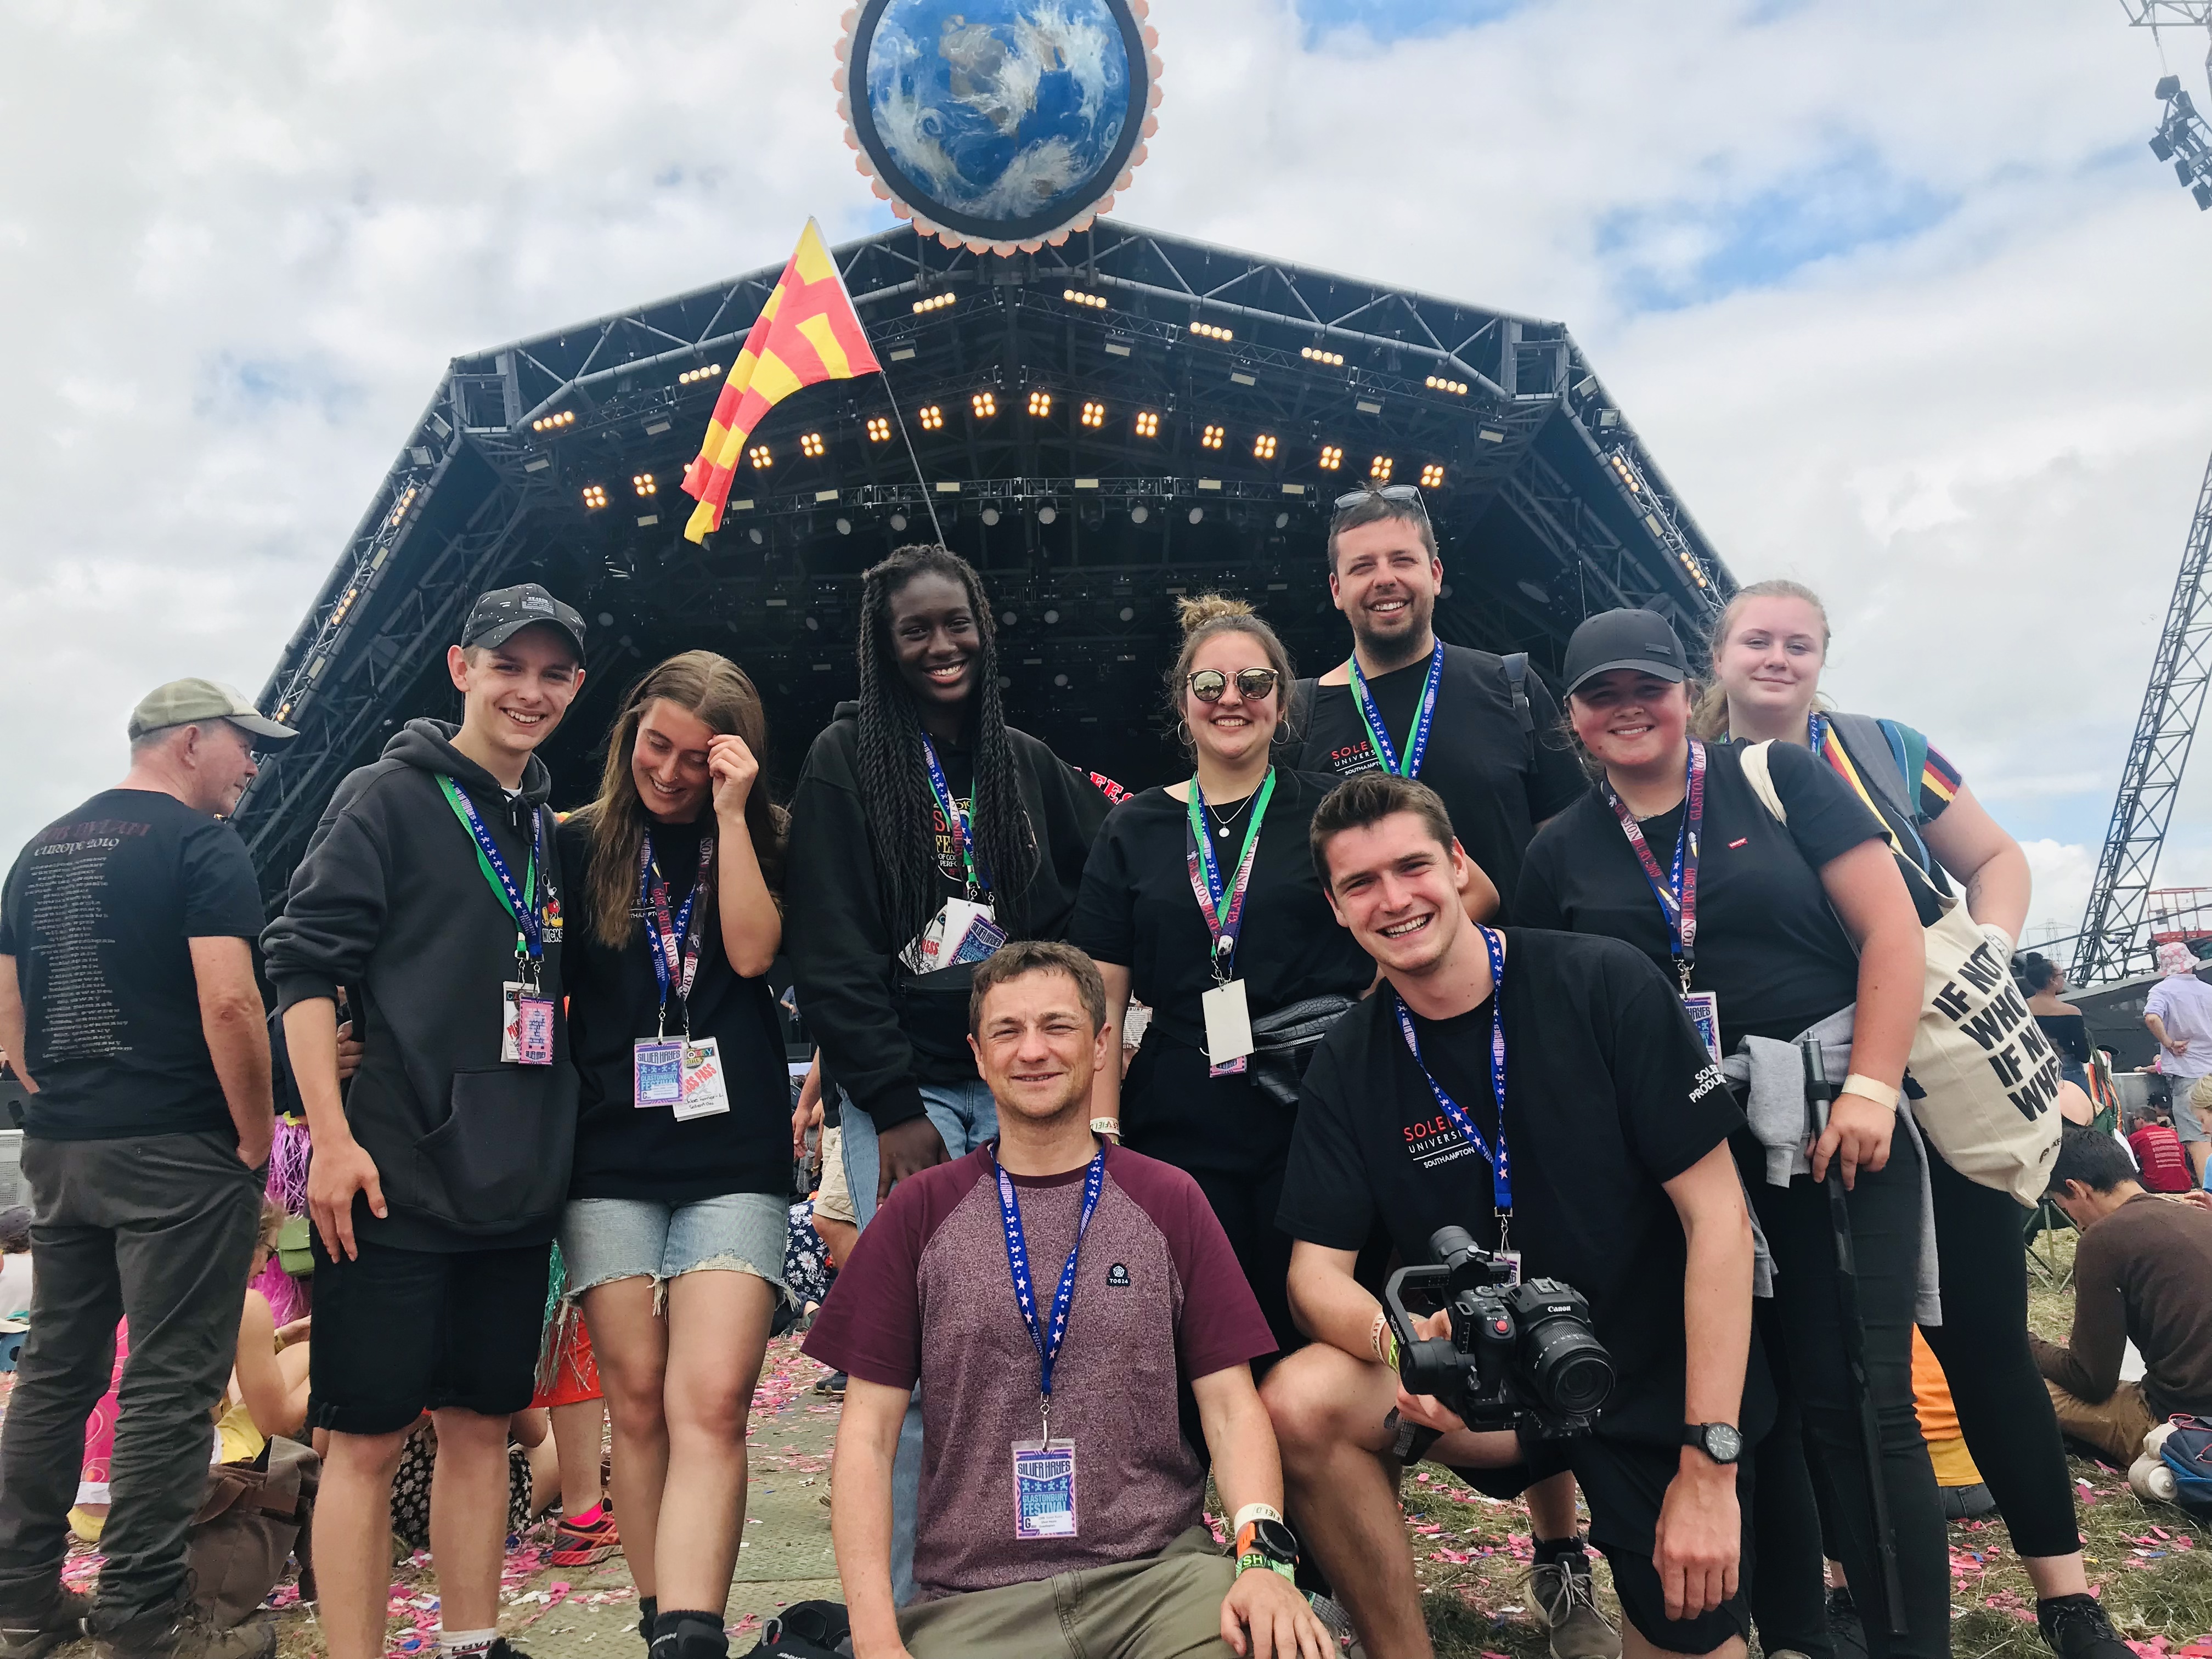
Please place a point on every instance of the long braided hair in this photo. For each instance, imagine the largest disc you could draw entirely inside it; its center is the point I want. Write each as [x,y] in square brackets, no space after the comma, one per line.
[896,778]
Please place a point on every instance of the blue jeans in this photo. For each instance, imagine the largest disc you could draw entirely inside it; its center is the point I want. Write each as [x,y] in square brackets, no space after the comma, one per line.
[966,1116]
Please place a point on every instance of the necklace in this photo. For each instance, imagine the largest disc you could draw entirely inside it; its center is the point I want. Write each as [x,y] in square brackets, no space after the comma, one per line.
[1221,823]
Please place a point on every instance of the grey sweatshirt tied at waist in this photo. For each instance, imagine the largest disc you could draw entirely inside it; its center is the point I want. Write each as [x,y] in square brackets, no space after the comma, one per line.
[1769,1077]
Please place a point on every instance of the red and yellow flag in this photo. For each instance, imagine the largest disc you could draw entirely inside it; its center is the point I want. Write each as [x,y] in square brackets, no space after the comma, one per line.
[807,332]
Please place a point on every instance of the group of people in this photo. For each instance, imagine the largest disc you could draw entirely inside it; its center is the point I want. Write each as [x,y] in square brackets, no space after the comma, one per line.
[1069,1289]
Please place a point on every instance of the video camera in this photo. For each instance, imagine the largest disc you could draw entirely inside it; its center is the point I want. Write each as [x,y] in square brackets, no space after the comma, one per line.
[1515,1351]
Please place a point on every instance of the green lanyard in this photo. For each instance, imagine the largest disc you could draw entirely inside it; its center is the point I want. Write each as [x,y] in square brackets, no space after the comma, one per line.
[497,877]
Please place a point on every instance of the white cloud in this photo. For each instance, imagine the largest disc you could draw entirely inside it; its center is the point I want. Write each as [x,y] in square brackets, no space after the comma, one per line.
[1893,291]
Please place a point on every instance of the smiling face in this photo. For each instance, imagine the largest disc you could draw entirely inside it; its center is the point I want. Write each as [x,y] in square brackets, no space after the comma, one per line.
[936,639]
[1386,581]
[1037,1048]
[668,762]
[1629,719]
[1770,661]
[515,693]
[1235,727]
[1401,890]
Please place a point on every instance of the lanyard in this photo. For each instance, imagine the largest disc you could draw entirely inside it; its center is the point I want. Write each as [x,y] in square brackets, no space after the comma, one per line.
[1223,907]
[1501,1165]
[521,903]
[1677,894]
[676,942]
[1018,1262]
[1417,739]
[964,832]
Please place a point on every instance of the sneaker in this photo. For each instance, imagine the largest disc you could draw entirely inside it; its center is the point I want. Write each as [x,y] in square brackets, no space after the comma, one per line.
[182,1630]
[32,1635]
[2078,1627]
[691,1639]
[585,1545]
[1846,1634]
[503,1649]
[832,1385]
[1566,1603]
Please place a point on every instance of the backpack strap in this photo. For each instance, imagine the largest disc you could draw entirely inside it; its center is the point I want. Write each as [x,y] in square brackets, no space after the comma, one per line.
[1517,683]
[1301,707]
[1878,751]
[1755,774]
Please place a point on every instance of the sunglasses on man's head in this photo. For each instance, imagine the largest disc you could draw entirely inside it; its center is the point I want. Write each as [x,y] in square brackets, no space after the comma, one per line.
[1252,683]
[1396,494]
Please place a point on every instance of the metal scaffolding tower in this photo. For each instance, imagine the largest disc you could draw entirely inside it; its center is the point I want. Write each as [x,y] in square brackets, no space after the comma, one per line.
[2112,940]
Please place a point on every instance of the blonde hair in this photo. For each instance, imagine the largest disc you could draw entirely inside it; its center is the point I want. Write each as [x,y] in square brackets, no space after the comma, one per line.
[716,690]
[1709,718]
[1205,617]
[273,1217]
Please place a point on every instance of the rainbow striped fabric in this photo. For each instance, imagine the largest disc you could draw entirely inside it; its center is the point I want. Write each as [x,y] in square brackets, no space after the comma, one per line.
[807,332]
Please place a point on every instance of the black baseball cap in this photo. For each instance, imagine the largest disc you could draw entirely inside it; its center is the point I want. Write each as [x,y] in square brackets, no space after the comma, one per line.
[1642,640]
[499,615]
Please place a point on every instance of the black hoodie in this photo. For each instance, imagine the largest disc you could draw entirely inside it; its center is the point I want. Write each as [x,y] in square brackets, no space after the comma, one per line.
[390,903]
[885,1032]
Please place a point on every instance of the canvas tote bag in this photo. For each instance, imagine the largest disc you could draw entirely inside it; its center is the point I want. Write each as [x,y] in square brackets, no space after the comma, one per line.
[1983,1078]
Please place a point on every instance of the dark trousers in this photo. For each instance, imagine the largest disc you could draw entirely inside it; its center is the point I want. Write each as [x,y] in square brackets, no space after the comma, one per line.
[1246,1206]
[1803,1328]
[2004,1410]
[158,1230]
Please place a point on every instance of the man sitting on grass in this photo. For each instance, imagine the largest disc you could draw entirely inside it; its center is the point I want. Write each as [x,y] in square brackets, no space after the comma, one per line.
[1062,1507]
[2142,1273]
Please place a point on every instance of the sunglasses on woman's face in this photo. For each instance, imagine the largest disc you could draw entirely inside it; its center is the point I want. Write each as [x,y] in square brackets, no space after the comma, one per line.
[1252,683]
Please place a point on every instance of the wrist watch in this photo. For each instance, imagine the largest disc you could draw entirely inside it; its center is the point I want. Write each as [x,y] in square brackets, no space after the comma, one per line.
[1720,1442]
[1270,1544]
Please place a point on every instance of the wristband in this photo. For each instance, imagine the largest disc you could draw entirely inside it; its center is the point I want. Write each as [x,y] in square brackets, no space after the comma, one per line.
[1881,1094]
[1382,1341]
[1106,1126]
[1253,1512]
[1245,1564]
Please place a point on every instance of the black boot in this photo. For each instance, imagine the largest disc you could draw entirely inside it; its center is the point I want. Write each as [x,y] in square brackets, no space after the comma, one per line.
[2077,1628]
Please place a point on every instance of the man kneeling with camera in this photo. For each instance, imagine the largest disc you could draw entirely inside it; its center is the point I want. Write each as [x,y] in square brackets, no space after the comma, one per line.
[1608,1178]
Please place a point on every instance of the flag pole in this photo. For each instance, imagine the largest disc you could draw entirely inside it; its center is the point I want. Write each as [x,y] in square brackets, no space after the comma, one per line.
[928,496]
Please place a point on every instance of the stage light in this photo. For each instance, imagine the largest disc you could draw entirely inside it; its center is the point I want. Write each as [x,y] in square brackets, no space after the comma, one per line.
[760,457]
[2169,86]
[898,520]
[566,417]
[1139,513]
[990,515]
[1331,457]
[1039,402]
[1128,613]
[932,417]
[1379,469]
[880,430]
[1211,438]
[809,444]
[984,404]
[1263,446]
[594,497]
[1281,520]
[1047,513]
[1148,425]
[1438,383]
[1094,413]
[935,302]
[707,373]
[1314,354]
[1076,297]
[1051,619]
[1625,472]
[2203,192]
[2159,148]
[1212,333]
[643,484]
[1197,515]
[1432,476]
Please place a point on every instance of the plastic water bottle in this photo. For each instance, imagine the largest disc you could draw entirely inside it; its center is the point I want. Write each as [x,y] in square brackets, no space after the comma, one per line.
[2149,1477]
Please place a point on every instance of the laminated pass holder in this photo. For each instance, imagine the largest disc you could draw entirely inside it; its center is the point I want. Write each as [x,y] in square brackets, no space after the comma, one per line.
[526,1011]
[1676,889]
[1229,1041]
[684,1074]
[963,929]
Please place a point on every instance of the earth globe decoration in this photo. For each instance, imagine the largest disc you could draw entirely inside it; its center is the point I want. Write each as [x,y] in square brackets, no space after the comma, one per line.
[998,125]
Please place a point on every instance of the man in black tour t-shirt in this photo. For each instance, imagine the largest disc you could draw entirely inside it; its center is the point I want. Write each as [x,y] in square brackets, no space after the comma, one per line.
[129,1005]
[1615,1135]
[1499,776]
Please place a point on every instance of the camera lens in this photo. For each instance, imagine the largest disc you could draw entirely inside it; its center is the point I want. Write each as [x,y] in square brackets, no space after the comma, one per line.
[1567,1366]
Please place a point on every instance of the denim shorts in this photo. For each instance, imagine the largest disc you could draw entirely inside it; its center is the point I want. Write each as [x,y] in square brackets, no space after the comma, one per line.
[609,1238]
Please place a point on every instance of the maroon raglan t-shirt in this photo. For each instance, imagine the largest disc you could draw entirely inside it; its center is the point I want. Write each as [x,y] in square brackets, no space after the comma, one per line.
[1158,1297]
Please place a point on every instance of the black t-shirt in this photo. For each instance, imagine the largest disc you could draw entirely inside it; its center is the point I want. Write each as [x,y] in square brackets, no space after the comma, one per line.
[614,998]
[1608,1095]
[99,913]
[1136,910]
[1497,781]
[1768,945]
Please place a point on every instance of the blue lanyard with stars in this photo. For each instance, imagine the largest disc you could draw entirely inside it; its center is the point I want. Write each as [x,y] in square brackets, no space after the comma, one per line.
[1417,739]
[1501,1165]
[1018,1262]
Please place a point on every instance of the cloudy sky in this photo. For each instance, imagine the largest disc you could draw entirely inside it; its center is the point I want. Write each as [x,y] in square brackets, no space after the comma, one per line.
[1893,289]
